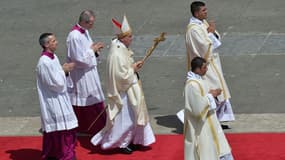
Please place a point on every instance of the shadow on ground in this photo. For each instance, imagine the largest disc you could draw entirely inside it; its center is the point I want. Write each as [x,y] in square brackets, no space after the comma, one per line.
[19,154]
[170,121]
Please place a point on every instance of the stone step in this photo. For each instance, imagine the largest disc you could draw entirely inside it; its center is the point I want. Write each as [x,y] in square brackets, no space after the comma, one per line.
[161,124]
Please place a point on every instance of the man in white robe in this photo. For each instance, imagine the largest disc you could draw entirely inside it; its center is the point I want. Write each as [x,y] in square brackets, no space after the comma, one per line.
[202,39]
[204,138]
[58,119]
[86,95]
[127,116]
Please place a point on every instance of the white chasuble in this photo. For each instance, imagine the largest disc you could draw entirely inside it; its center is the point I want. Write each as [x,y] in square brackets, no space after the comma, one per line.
[204,138]
[122,78]
[128,120]
[199,43]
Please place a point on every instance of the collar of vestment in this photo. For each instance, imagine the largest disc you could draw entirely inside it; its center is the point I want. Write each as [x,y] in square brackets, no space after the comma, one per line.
[49,54]
[196,21]
[192,75]
[78,28]
[119,44]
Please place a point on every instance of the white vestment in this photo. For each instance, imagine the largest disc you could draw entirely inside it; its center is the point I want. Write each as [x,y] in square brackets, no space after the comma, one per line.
[128,120]
[204,138]
[203,44]
[56,110]
[87,88]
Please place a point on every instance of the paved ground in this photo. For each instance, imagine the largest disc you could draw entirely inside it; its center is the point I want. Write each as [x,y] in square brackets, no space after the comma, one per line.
[252,56]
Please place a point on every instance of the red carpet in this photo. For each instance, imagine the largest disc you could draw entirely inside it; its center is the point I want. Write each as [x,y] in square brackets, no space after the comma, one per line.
[251,146]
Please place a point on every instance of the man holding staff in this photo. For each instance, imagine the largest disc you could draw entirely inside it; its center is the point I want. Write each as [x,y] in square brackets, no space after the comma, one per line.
[128,124]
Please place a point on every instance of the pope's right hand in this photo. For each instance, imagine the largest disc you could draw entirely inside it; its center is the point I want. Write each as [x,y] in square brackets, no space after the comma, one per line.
[138,65]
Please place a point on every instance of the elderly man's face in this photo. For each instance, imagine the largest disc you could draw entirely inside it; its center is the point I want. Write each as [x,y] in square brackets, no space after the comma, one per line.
[90,24]
[127,40]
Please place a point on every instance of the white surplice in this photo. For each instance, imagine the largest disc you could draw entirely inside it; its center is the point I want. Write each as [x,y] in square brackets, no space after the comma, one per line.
[127,120]
[87,88]
[204,138]
[56,110]
[203,44]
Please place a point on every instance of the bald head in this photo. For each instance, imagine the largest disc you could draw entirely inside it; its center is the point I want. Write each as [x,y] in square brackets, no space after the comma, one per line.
[86,19]
[85,16]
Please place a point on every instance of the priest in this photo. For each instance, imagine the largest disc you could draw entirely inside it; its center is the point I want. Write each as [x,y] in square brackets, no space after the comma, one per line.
[202,40]
[204,138]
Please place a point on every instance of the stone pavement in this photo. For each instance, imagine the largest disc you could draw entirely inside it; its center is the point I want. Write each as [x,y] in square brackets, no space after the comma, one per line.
[252,55]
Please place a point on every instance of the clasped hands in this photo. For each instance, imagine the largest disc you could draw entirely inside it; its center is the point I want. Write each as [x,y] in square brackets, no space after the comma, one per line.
[96,47]
[67,67]
[215,92]
[212,27]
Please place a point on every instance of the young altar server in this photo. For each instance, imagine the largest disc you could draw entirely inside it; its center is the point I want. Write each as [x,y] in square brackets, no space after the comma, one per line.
[57,116]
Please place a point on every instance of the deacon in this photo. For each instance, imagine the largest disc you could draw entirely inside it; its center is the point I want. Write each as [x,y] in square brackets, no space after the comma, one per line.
[58,119]
[204,138]
[202,40]
[86,95]
[128,126]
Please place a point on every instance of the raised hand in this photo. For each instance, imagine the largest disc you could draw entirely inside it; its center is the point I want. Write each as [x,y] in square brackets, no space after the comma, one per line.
[96,47]
[212,27]
[67,67]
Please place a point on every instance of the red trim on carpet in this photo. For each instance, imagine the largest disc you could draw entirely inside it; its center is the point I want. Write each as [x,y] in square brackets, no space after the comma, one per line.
[245,146]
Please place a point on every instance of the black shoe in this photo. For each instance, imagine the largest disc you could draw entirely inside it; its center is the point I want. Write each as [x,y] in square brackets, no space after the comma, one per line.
[41,131]
[51,158]
[126,150]
[134,147]
[225,126]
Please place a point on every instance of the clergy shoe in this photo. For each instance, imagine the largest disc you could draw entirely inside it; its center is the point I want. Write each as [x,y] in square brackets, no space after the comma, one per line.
[51,158]
[126,150]
[225,126]
[81,134]
[41,131]
[134,147]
